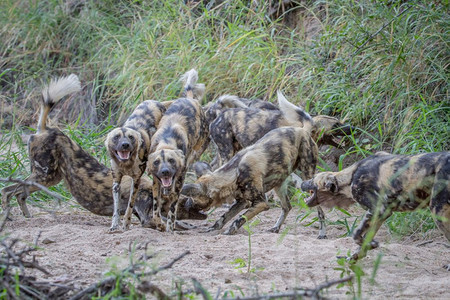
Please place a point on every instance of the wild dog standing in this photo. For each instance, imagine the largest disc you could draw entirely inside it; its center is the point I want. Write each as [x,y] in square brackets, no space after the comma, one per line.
[254,171]
[237,128]
[128,147]
[55,157]
[385,183]
[181,137]
[234,129]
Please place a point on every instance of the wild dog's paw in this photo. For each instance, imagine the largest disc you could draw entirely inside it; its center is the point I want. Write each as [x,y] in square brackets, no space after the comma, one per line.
[274,229]
[322,237]
[447,267]
[115,229]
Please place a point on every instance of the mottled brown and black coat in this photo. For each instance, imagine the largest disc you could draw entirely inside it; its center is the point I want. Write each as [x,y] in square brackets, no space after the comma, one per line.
[384,183]
[182,136]
[54,157]
[236,128]
[129,147]
[254,171]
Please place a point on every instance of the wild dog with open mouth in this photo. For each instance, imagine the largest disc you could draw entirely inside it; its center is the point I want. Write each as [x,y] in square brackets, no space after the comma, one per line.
[384,183]
[181,137]
[129,147]
[55,157]
[254,171]
[234,129]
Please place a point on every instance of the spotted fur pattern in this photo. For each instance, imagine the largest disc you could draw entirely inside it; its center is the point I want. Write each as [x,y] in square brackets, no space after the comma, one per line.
[254,171]
[128,147]
[54,157]
[180,139]
[384,183]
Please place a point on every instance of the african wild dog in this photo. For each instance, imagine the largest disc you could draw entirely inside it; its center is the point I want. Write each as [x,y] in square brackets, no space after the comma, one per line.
[384,183]
[128,147]
[254,171]
[236,128]
[181,137]
[55,157]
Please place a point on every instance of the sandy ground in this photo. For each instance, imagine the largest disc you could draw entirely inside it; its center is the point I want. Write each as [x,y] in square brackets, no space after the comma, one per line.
[76,249]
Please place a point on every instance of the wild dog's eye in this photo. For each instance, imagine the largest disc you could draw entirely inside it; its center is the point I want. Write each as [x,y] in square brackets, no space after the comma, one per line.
[131,138]
[116,138]
[171,161]
[156,163]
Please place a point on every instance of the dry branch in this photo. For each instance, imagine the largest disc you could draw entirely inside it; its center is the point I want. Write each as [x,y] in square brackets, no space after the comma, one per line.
[297,293]
[109,281]
[32,183]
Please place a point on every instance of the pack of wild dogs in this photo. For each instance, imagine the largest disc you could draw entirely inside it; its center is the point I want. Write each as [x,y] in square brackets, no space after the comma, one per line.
[259,146]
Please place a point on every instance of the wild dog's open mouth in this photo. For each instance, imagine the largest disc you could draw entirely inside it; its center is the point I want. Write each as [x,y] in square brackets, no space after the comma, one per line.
[166,181]
[123,155]
[310,201]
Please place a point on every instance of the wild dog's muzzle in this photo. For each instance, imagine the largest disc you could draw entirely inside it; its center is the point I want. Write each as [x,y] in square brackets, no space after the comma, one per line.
[165,176]
[309,186]
[123,149]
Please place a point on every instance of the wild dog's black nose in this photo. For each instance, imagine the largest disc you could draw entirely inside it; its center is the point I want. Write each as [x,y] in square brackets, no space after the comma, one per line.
[125,145]
[165,172]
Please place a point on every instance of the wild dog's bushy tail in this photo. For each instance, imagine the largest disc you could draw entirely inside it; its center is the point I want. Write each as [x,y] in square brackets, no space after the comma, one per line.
[193,89]
[295,114]
[230,101]
[53,92]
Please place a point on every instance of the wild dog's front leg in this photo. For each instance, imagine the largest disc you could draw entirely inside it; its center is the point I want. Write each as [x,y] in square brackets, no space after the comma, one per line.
[131,201]
[258,205]
[285,207]
[172,213]
[21,192]
[157,206]
[322,228]
[116,215]
[371,224]
[238,206]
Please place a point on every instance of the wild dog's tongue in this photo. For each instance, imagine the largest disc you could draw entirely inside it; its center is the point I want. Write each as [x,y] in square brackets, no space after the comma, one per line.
[166,181]
[124,154]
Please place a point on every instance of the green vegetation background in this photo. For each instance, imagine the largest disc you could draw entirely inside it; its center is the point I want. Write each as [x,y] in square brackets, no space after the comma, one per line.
[380,65]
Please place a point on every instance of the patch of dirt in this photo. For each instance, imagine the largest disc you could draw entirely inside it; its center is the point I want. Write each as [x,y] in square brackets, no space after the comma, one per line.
[77,249]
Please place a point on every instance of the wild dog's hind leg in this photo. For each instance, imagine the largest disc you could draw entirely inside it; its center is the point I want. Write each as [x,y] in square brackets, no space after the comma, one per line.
[259,204]
[285,207]
[370,223]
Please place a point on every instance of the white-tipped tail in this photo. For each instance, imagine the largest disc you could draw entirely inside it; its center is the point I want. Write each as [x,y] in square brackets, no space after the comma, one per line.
[191,87]
[61,87]
[52,93]
[230,101]
[293,113]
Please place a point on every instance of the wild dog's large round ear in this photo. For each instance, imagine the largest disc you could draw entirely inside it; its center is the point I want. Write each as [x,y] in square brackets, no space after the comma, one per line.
[192,190]
[331,184]
[180,153]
